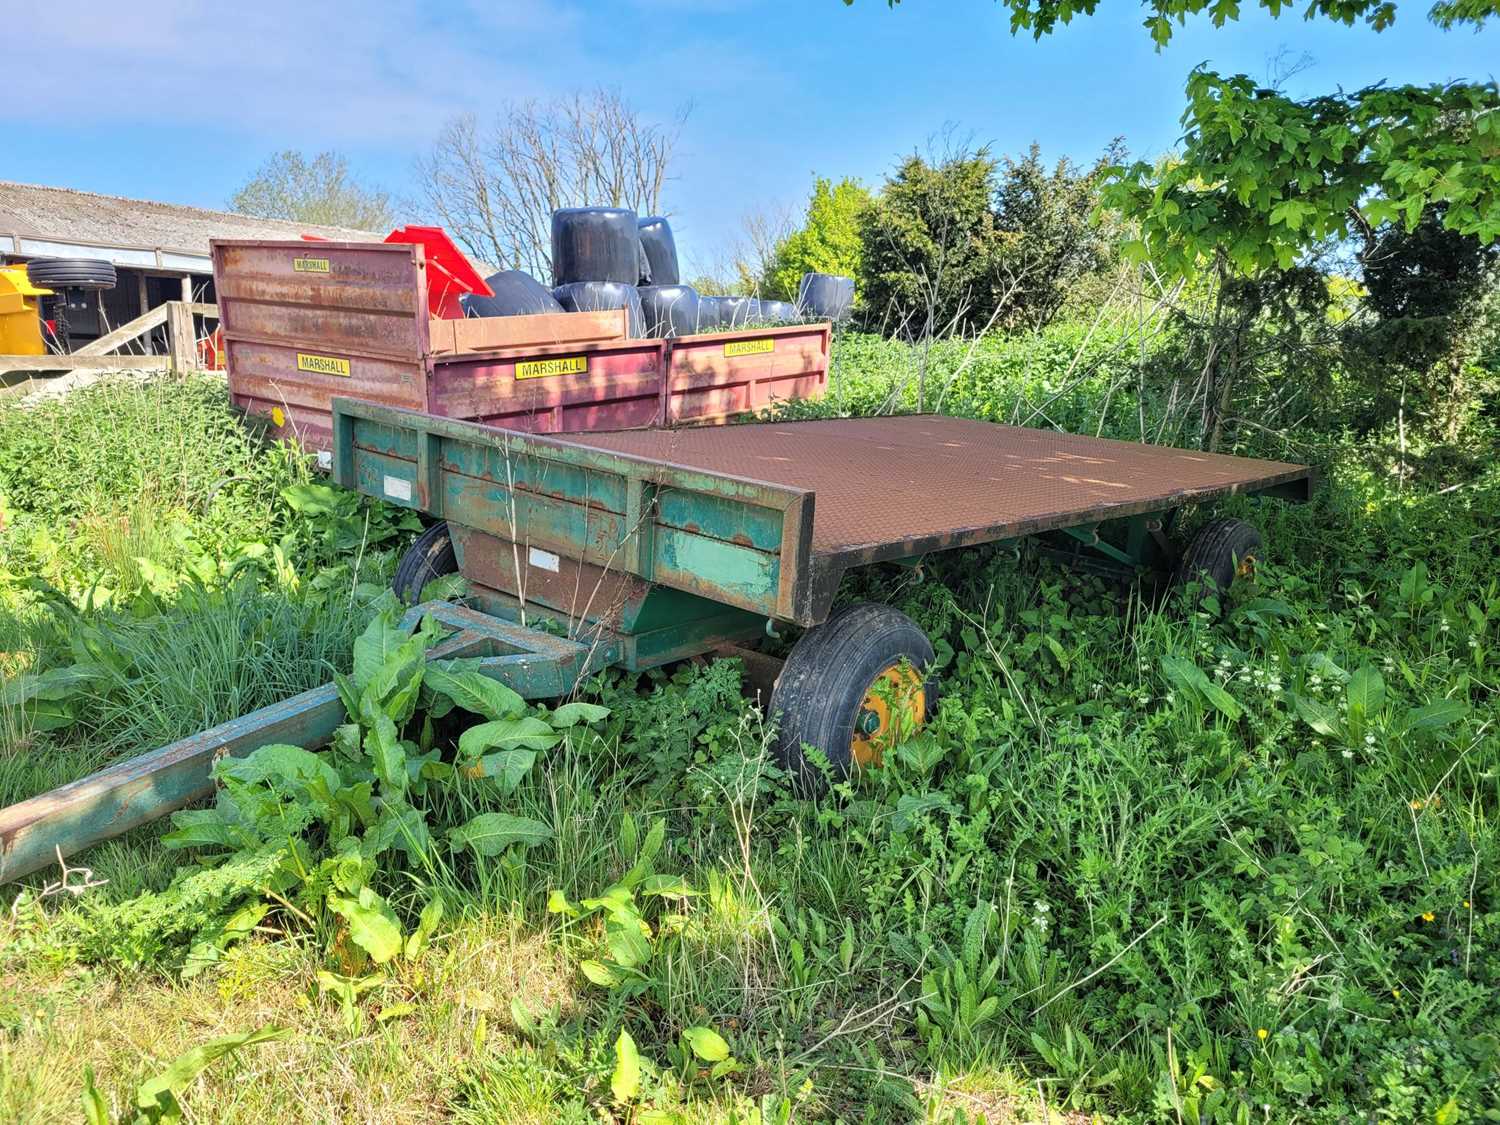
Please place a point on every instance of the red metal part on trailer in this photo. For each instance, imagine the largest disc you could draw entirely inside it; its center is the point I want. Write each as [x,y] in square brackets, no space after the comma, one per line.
[450,274]
[304,322]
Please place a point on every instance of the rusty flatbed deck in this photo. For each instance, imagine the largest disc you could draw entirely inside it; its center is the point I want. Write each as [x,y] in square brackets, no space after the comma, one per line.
[891,487]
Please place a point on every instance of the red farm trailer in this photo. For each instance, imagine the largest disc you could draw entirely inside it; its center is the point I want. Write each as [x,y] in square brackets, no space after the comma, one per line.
[304,322]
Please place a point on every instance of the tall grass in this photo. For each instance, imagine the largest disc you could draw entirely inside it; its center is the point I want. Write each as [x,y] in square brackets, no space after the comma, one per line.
[1092,886]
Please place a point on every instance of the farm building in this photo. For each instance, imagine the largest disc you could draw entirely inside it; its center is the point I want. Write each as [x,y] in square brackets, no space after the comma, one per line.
[159,250]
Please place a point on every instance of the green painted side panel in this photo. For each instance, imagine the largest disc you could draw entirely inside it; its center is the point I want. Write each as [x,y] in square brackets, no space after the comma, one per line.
[692,638]
[663,606]
[726,572]
[721,519]
[649,648]
[396,441]
[363,418]
[499,465]
[515,468]
[712,568]
[585,533]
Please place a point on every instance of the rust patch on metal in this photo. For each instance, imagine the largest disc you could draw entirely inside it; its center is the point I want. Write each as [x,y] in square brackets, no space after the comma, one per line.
[930,482]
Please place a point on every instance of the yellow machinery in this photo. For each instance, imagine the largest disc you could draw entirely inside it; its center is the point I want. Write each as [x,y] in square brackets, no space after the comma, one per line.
[20,320]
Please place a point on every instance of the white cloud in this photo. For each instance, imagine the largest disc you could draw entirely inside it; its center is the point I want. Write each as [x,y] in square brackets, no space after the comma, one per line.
[345,72]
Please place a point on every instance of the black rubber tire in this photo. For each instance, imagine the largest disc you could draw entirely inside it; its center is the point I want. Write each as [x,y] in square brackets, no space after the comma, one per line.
[71,273]
[516,294]
[1215,554]
[430,557]
[827,676]
[660,251]
[601,296]
[595,244]
[825,296]
[670,310]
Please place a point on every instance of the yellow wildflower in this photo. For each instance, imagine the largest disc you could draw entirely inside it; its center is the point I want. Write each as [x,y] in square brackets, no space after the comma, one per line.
[1261,1034]
[1428,916]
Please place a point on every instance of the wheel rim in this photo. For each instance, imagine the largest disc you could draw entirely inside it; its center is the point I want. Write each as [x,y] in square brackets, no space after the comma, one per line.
[880,722]
[1245,568]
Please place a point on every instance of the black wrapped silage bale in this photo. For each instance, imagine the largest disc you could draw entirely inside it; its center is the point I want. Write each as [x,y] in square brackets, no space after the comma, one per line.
[602,296]
[825,296]
[708,313]
[779,312]
[660,251]
[516,294]
[670,310]
[595,244]
[720,314]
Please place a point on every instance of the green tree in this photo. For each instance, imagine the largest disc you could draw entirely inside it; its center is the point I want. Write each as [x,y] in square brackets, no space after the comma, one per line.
[1041,17]
[1050,236]
[1431,292]
[1264,181]
[928,244]
[319,191]
[1262,177]
[827,242]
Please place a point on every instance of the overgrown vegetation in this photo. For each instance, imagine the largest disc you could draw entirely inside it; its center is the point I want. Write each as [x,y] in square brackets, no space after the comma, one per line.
[1141,864]
[1146,861]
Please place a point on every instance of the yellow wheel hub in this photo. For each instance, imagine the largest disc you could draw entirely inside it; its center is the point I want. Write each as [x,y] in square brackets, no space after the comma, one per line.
[893,707]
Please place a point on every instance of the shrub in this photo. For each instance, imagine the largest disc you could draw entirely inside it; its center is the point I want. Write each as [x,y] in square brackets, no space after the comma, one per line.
[827,242]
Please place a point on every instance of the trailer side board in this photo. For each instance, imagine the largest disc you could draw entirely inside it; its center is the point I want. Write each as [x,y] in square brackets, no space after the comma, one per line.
[742,542]
[306,321]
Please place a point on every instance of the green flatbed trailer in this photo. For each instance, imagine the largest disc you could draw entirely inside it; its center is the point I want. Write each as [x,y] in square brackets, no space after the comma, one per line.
[635,549]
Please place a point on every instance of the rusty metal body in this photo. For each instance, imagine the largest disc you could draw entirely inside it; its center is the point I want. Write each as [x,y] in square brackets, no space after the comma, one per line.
[767,517]
[899,486]
[305,322]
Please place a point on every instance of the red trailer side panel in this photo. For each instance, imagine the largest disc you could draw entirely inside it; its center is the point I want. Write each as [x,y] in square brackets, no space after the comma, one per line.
[710,377]
[598,386]
[305,321]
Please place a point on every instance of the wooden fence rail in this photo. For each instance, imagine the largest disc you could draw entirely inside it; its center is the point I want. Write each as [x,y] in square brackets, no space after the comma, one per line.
[98,355]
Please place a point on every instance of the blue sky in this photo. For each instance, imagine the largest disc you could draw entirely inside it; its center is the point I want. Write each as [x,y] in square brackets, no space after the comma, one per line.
[179,100]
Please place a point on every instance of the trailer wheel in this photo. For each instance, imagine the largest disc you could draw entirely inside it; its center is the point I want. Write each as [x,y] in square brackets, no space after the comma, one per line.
[852,688]
[1220,553]
[428,558]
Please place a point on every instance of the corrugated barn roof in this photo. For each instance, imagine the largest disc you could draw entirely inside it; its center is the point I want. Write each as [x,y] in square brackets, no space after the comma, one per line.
[40,221]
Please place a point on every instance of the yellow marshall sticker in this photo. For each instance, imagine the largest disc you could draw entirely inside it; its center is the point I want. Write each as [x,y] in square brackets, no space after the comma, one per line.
[542,368]
[310,265]
[322,364]
[749,347]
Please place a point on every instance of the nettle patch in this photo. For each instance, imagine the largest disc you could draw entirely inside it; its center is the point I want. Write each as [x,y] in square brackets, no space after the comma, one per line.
[318,840]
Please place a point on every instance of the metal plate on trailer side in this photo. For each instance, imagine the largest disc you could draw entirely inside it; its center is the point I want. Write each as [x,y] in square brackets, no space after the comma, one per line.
[887,484]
